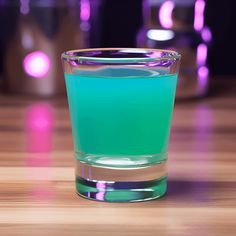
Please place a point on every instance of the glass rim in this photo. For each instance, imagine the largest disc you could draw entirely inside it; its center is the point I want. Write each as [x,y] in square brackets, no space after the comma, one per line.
[154,55]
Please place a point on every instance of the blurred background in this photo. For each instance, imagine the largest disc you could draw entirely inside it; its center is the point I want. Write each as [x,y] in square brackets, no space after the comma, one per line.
[34,33]
[35,128]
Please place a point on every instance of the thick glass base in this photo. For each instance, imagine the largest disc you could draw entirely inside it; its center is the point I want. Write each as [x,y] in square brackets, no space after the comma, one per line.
[121,185]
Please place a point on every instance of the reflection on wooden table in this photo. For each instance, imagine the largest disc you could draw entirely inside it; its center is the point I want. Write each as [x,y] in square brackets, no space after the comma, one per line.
[37,194]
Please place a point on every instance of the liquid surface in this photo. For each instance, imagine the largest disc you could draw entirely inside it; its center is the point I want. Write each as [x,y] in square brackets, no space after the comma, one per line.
[123,119]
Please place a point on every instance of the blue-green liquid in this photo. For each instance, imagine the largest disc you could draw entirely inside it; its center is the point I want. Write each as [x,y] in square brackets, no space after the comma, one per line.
[121,113]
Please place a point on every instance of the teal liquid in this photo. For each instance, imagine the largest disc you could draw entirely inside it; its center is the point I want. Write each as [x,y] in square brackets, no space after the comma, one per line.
[123,120]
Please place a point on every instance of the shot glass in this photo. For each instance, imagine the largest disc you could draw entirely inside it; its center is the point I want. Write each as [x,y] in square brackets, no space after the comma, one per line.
[121,102]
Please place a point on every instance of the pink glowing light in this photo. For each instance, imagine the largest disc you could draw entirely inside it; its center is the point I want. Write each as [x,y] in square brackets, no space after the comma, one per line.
[201,54]
[203,72]
[39,117]
[36,64]
[165,14]
[206,34]
[202,68]
[202,79]
[156,54]
[199,15]
[100,185]
[84,10]
[38,124]
[100,196]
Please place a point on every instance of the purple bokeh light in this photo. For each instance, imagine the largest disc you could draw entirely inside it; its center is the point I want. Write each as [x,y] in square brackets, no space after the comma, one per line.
[202,79]
[199,15]
[201,54]
[206,34]
[203,73]
[165,14]
[24,7]
[36,64]
[84,10]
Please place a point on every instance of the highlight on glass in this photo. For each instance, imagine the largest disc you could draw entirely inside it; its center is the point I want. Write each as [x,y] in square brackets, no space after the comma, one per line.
[121,102]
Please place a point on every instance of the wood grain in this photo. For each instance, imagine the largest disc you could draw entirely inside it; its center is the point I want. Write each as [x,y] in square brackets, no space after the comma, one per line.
[37,195]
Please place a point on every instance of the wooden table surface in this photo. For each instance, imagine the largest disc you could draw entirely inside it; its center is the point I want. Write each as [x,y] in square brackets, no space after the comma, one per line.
[37,194]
